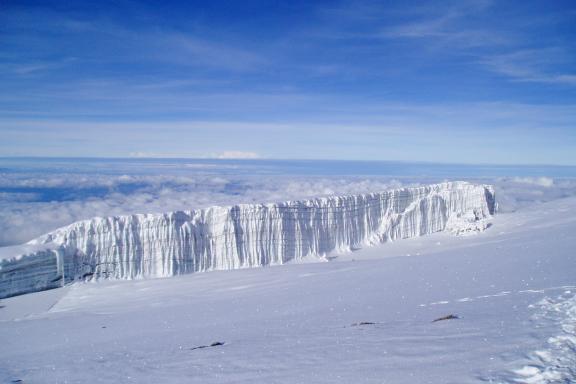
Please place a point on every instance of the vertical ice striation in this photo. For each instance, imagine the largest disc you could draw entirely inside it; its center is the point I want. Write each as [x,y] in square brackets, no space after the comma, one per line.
[240,236]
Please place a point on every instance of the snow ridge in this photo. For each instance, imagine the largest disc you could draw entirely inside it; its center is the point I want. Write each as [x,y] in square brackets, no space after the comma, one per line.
[240,236]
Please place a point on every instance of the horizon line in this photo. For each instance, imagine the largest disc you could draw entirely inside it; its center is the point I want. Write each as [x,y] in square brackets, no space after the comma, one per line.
[262,159]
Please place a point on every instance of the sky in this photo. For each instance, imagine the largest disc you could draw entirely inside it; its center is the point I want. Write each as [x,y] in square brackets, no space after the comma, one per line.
[467,81]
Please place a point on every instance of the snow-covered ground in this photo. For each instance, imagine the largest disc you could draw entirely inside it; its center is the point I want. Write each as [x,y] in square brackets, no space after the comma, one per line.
[365,316]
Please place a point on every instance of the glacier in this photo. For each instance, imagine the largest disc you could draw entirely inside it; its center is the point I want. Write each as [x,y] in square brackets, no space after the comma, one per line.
[240,236]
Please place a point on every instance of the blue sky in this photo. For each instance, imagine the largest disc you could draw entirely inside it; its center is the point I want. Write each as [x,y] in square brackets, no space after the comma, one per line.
[469,81]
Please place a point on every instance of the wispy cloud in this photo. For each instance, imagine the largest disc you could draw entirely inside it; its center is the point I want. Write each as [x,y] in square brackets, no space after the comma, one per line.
[184,49]
[115,42]
[447,25]
[533,65]
[461,28]
[444,33]
[442,24]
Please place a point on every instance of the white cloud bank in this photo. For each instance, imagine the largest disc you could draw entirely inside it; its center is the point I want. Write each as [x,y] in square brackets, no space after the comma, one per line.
[197,155]
[541,181]
[237,155]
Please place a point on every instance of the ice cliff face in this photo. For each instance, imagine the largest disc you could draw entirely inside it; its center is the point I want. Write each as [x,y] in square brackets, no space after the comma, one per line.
[241,236]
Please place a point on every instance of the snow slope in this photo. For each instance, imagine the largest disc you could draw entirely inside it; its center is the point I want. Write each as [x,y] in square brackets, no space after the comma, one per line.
[512,286]
[249,235]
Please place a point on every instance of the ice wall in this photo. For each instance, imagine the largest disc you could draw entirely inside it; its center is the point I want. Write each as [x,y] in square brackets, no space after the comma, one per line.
[240,236]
